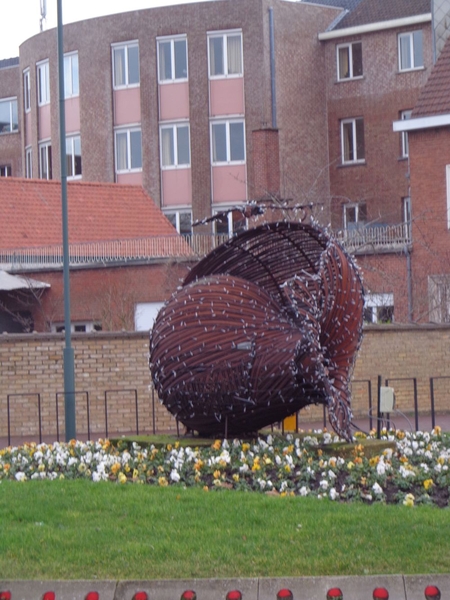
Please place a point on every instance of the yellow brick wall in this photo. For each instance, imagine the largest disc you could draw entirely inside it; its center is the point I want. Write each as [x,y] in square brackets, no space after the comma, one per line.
[118,364]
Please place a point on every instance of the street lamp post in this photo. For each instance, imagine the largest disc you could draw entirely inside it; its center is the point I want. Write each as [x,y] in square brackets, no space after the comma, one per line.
[69,370]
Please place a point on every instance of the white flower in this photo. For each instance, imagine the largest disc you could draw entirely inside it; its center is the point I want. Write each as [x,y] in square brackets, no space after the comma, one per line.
[174,475]
[304,491]
[20,476]
[324,484]
[377,489]
[333,494]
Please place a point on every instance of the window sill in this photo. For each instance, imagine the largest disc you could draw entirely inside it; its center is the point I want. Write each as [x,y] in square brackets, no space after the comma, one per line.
[347,79]
[412,70]
[9,132]
[356,163]
[172,81]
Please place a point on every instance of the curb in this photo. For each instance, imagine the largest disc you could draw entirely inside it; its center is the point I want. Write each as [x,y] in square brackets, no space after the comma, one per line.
[393,587]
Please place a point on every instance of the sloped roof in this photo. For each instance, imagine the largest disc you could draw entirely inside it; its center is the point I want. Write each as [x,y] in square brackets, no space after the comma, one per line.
[30,213]
[9,283]
[6,63]
[434,98]
[376,11]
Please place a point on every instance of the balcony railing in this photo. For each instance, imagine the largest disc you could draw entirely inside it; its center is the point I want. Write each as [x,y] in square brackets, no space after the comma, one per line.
[376,238]
[386,238]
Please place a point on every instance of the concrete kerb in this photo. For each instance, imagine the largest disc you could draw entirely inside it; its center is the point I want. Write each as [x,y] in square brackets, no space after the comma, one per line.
[399,587]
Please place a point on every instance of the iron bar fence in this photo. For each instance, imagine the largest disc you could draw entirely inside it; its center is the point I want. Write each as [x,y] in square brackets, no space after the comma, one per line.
[187,246]
[151,424]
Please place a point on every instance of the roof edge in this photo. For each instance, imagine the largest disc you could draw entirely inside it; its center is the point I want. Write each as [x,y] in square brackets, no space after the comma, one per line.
[378,26]
[422,123]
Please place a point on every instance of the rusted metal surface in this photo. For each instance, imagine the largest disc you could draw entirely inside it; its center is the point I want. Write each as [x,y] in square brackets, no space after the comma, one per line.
[263,326]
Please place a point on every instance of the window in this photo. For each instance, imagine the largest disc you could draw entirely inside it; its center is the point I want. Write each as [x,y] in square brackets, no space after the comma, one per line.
[225,54]
[349,60]
[9,120]
[228,142]
[410,50]
[181,220]
[405,114]
[45,160]
[352,140]
[379,308]
[87,327]
[439,298]
[229,223]
[355,216]
[447,178]
[406,210]
[43,83]
[126,65]
[71,77]
[172,60]
[128,150]
[5,171]
[73,157]
[175,150]
[26,90]
[28,163]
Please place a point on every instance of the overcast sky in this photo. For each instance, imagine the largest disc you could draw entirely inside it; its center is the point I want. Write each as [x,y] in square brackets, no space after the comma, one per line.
[20,18]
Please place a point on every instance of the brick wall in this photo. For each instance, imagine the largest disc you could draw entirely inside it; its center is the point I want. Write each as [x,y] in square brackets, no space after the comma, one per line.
[32,364]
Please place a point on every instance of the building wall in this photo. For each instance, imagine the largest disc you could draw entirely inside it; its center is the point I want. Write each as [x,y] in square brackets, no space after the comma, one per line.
[379,97]
[107,295]
[10,143]
[429,157]
[33,364]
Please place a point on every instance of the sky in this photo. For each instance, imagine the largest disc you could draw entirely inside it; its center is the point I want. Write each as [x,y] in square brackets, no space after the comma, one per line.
[21,17]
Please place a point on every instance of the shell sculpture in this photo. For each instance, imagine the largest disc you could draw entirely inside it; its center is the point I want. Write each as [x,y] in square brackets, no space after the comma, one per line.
[266,324]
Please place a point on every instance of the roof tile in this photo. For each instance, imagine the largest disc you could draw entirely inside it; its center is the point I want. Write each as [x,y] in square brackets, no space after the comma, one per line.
[31,216]
[434,99]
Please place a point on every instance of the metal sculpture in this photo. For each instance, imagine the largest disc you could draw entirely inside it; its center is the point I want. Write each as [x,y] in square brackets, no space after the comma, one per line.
[266,324]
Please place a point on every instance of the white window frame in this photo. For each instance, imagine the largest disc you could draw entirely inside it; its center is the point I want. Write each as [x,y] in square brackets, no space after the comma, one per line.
[355,159]
[407,216]
[360,209]
[88,327]
[351,67]
[71,75]
[231,222]
[405,115]
[28,162]
[71,156]
[45,151]
[128,131]
[13,112]
[410,38]
[374,302]
[5,171]
[229,160]
[172,40]
[224,35]
[43,82]
[174,128]
[176,221]
[126,46]
[27,90]
[447,178]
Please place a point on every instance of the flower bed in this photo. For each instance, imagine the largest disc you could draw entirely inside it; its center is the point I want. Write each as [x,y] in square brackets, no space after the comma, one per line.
[408,468]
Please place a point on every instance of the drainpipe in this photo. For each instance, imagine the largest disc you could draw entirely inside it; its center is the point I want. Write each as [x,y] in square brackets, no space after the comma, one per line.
[409,283]
[272,69]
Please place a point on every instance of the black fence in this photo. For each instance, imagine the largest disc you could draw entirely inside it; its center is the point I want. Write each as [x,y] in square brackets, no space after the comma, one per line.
[374,414]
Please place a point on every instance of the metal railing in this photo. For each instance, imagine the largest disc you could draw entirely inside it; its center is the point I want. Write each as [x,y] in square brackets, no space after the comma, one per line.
[375,238]
[194,246]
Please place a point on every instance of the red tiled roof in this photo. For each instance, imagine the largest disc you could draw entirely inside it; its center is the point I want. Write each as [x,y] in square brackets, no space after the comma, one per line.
[30,213]
[375,11]
[434,99]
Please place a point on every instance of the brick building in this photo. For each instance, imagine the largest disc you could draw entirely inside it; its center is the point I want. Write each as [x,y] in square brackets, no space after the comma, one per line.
[124,263]
[213,104]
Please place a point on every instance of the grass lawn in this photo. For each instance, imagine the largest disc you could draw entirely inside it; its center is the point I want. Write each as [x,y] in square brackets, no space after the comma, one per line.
[84,530]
